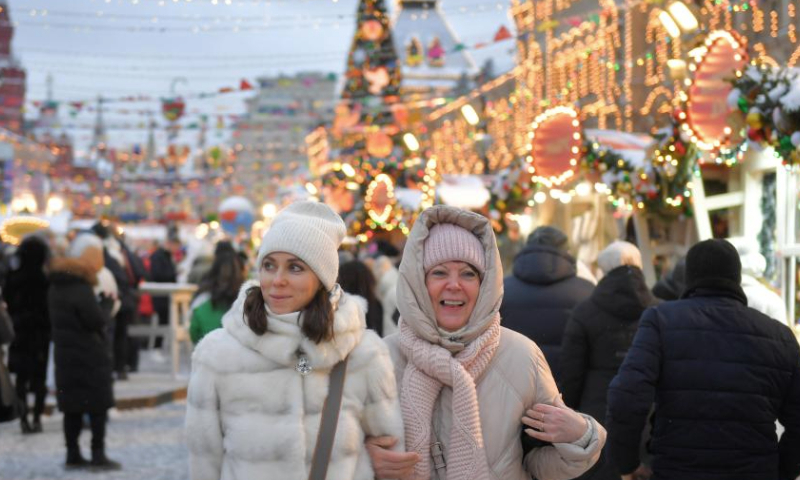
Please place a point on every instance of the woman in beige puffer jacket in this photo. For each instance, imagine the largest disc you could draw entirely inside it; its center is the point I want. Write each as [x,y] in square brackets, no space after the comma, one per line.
[469,387]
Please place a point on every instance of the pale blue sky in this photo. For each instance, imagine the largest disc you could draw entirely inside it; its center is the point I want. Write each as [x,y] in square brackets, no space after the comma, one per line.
[92,47]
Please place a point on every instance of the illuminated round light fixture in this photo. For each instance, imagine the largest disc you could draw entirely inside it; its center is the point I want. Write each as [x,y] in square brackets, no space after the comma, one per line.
[555,146]
[713,63]
[379,200]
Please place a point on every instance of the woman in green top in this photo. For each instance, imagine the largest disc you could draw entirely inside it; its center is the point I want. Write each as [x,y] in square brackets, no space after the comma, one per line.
[225,278]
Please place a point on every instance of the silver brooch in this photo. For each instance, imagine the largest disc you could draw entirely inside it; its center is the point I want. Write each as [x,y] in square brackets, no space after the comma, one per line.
[302,367]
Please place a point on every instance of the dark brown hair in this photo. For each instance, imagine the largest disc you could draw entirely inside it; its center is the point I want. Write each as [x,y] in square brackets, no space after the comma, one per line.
[356,278]
[318,315]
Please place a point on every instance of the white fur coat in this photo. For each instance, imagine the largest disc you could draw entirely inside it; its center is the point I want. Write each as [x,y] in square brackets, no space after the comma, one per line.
[252,416]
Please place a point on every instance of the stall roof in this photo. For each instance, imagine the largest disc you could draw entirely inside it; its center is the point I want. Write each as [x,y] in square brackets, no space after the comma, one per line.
[463,191]
[633,147]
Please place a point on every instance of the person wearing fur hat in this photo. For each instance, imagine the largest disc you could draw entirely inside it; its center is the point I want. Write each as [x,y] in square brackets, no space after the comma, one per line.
[258,384]
[719,374]
[599,334]
[472,392]
[81,352]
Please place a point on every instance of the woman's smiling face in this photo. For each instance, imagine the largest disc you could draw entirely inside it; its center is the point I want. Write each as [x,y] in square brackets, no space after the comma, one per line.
[453,288]
[287,283]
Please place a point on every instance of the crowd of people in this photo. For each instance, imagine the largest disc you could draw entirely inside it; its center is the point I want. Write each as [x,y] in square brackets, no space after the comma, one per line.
[431,363]
[78,293]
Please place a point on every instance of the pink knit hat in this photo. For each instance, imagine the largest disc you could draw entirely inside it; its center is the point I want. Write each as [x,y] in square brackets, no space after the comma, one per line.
[447,242]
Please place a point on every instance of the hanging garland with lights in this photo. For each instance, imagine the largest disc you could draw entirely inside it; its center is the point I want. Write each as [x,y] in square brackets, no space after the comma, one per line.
[510,192]
[770,99]
[660,186]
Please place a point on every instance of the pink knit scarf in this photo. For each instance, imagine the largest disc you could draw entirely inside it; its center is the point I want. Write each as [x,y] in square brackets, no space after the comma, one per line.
[429,368]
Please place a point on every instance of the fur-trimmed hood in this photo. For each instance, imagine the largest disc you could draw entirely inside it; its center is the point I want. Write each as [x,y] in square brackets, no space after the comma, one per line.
[69,270]
[413,300]
[285,337]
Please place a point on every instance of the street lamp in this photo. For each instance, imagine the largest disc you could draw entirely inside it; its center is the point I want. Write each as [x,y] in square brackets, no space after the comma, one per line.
[470,115]
[54,205]
[683,16]
[411,141]
[268,210]
[678,19]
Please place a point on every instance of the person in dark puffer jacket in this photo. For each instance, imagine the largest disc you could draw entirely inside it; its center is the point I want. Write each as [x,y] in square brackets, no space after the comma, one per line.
[82,358]
[599,335]
[720,374]
[542,292]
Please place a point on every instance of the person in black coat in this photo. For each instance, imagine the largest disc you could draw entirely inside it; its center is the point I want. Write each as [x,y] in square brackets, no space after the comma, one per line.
[598,336]
[542,292]
[673,283]
[25,286]
[82,359]
[162,270]
[720,375]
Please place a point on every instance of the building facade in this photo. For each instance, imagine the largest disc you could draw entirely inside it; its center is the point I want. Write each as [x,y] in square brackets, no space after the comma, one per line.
[12,86]
[269,141]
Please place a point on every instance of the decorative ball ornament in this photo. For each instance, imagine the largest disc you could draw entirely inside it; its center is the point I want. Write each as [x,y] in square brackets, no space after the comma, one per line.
[555,146]
[371,30]
[795,139]
[379,144]
[235,214]
[754,120]
[359,56]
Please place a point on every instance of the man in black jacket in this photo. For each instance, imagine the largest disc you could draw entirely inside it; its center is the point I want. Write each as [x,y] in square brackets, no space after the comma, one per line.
[720,374]
[541,293]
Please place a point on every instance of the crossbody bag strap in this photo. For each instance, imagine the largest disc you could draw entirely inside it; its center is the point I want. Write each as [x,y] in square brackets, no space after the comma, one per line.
[327,426]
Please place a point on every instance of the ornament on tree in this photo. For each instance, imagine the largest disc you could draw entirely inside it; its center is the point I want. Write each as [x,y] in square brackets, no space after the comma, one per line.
[359,56]
[435,53]
[371,30]
[379,145]
[378,79]
[414,52]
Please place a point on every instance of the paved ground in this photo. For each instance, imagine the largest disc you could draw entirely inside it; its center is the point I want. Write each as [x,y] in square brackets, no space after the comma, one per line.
[148,442]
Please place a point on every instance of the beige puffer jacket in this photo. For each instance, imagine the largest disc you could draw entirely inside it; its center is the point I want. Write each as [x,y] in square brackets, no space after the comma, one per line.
[517,378]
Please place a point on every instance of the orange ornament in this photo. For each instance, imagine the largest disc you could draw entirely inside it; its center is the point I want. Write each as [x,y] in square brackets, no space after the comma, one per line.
[379,145]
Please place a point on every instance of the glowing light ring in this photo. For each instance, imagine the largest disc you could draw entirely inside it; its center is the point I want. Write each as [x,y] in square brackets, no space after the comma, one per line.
[577,139]
[740,56]
[382,217]
[13,229]
[429,188]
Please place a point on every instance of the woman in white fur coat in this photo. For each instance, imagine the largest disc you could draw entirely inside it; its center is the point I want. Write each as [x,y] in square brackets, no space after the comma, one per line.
[258,384]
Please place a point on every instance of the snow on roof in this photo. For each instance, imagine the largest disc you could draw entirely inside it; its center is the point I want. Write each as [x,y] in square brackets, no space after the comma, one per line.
[633,147]
[424,21]
[463,191]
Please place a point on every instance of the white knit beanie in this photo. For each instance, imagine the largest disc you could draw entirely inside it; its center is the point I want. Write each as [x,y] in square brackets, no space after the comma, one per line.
[447,242]
[312,232]
[617,254]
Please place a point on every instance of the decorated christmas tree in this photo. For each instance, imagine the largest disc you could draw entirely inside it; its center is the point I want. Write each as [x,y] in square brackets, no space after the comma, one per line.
[369,156]
[373,74]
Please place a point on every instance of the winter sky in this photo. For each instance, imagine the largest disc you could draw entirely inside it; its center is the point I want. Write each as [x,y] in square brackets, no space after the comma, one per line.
[120,48]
